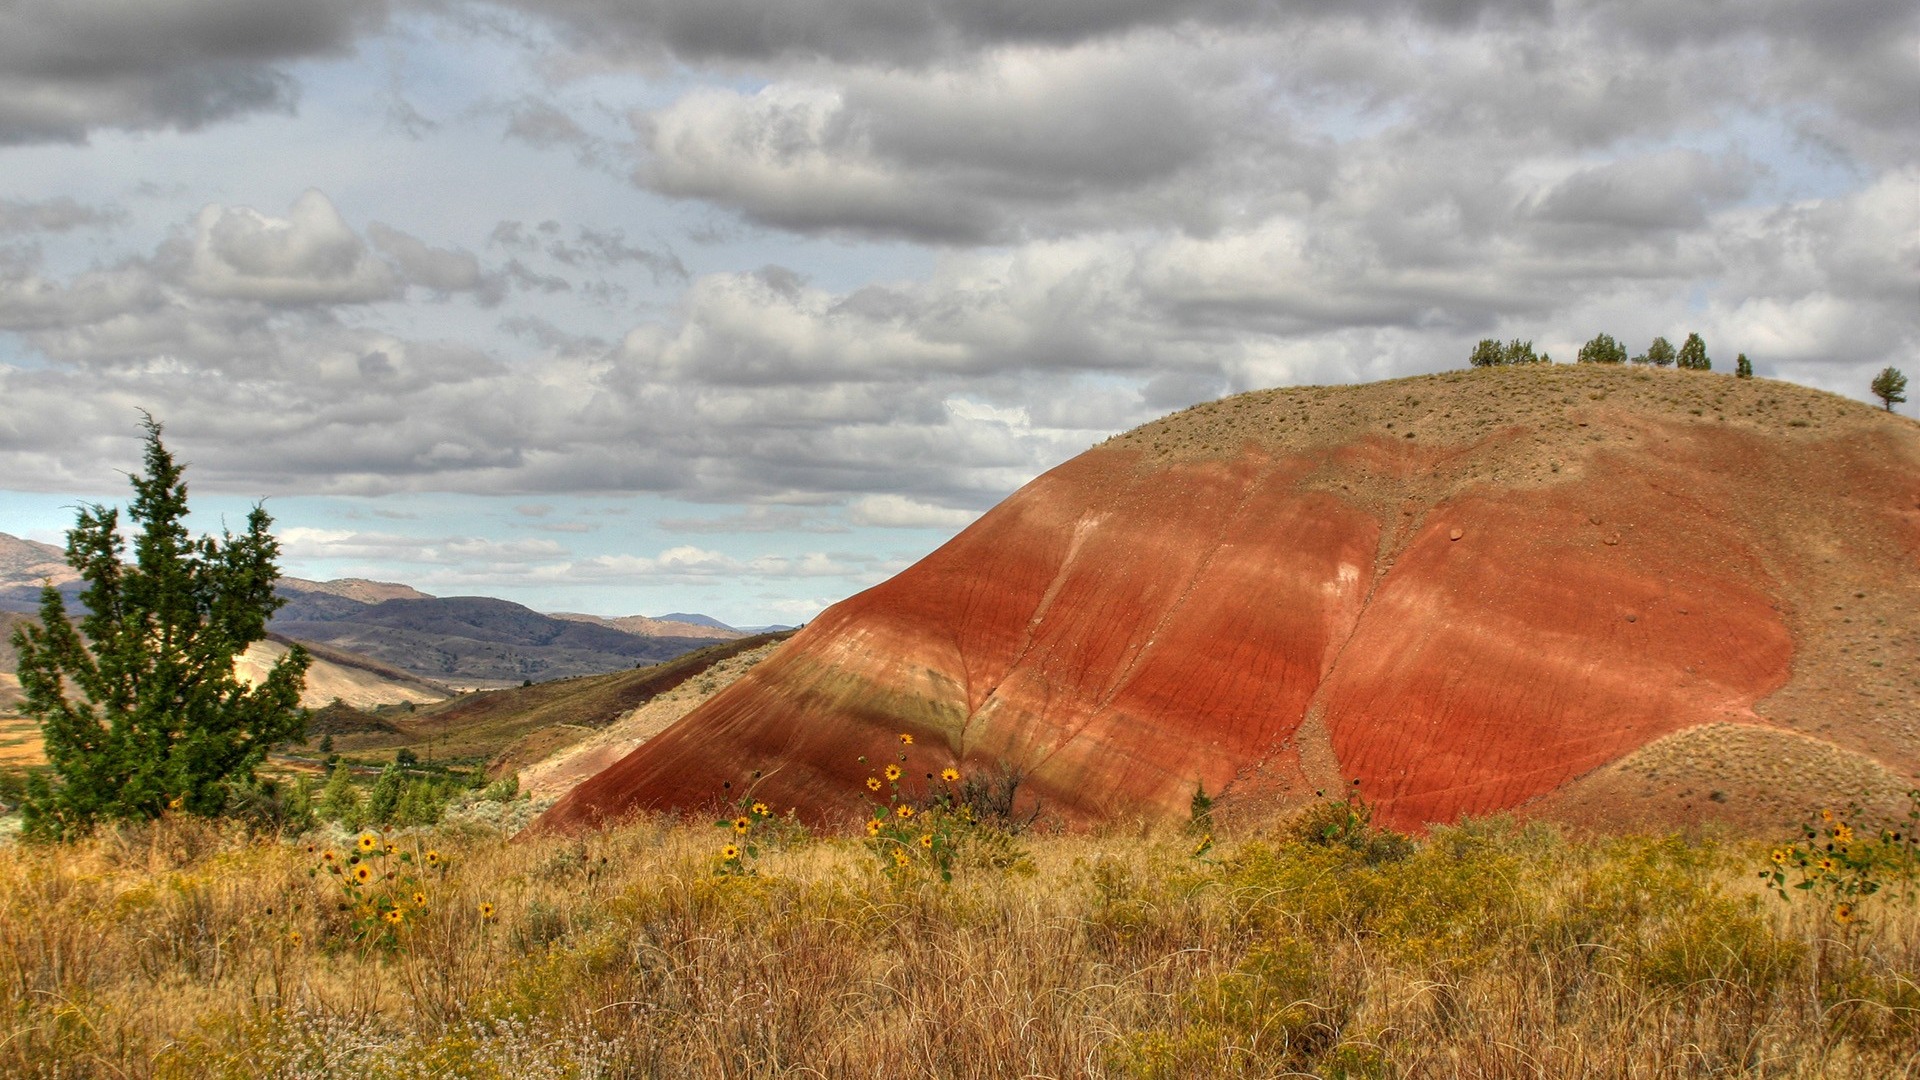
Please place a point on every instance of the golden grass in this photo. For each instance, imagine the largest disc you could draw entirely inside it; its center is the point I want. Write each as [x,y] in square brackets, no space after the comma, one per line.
[1491,950]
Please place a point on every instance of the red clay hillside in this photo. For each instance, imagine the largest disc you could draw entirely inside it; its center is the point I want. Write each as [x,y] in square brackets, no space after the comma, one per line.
[1608,595]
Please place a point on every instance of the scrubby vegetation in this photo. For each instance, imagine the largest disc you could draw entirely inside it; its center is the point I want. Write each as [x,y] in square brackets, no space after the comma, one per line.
[1312,946]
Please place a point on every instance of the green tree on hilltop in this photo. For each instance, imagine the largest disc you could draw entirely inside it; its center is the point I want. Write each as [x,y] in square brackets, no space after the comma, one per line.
[1490,353]
[1602,350]
[1742,367]
[1890,386]
[160,720]
[1693,354]
[1659,353]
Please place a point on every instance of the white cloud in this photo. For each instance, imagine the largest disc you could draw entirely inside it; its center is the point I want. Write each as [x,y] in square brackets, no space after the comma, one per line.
[900,512]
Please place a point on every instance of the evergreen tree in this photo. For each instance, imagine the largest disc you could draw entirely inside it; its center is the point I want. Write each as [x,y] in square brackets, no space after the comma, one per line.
[160,720]
[340,800]
[1489,353]
[384,799]
[1602,350]
[1659,353]
[1693,354]
[1742,367]
[1890,386]
[1520,352]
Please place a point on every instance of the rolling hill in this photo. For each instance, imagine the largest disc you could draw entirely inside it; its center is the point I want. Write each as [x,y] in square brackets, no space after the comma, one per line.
[1608,595]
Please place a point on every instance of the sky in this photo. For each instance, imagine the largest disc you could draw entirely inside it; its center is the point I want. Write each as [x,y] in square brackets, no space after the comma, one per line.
[739,306]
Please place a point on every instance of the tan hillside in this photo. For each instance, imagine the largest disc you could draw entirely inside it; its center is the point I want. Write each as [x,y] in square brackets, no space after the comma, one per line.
[649,627]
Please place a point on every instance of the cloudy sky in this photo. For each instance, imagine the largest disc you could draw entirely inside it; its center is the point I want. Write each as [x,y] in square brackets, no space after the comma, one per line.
[739,306]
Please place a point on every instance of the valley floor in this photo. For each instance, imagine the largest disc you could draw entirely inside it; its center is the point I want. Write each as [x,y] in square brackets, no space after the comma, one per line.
[184,949]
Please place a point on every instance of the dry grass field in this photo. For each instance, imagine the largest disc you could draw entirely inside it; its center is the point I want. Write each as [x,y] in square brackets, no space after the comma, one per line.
[1492,949]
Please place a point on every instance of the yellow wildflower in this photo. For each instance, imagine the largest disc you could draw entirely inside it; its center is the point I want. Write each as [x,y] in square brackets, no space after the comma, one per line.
[1779,856]
[741,824]
[906,739]
[904,811]
[893,772]
[294,938]
[730,852]
[1843,835]
[873,783]
[419,899]
[926,840]
[362,874]
[433,858]
[1843,914]
[486,911]
[760,810]
[368,841]
[949,774]
[900,858]
[873,827]
[394,916]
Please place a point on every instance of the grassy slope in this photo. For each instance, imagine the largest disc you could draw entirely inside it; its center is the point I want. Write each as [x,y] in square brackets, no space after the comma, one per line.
[1493,952]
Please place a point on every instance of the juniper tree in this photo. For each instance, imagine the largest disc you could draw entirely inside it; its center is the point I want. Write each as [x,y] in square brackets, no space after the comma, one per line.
[1742,367]
[1693,354]
[1602,350]
[139,707]
[1489,353]
[1659,353]
[1890,386]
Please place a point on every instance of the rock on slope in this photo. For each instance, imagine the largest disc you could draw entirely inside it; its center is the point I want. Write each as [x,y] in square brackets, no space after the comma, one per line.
[1604,594]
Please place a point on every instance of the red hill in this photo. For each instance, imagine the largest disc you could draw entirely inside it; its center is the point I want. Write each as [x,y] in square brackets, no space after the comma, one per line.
[1612,595]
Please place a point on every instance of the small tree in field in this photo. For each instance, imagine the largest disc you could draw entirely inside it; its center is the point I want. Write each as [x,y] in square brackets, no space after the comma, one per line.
[1742,367]
[1890,386]
[1659,353]
[1693,354]
[1603,350]
[159,720]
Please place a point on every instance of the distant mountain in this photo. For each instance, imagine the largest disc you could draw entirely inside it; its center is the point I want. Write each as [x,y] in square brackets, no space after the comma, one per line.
[647,626]
[359,589]
[696,620]
[30,562]
[463,640]
[471,640]
[770,628]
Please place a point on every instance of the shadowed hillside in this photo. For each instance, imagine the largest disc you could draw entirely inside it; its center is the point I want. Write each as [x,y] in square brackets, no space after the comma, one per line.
[1608,594]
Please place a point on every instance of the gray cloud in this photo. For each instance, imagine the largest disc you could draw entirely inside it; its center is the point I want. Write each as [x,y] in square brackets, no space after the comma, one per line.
[70,66]
[56,215]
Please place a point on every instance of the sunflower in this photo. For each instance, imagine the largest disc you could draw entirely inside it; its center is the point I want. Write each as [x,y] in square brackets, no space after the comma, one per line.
[949,774]
[730,853]
[873,783]
[1779,856]
[760,810]
[906,739]
[362,874]
[433,858]
[741,824]
[486,911]
[904,811]
[926,841]
[328,856]
[1843,914]
[1843,835]
[893,772]
[395,916]
[368,841]
[873,827]
[1824,866]
[293,938]
[419,899]
[900,858]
